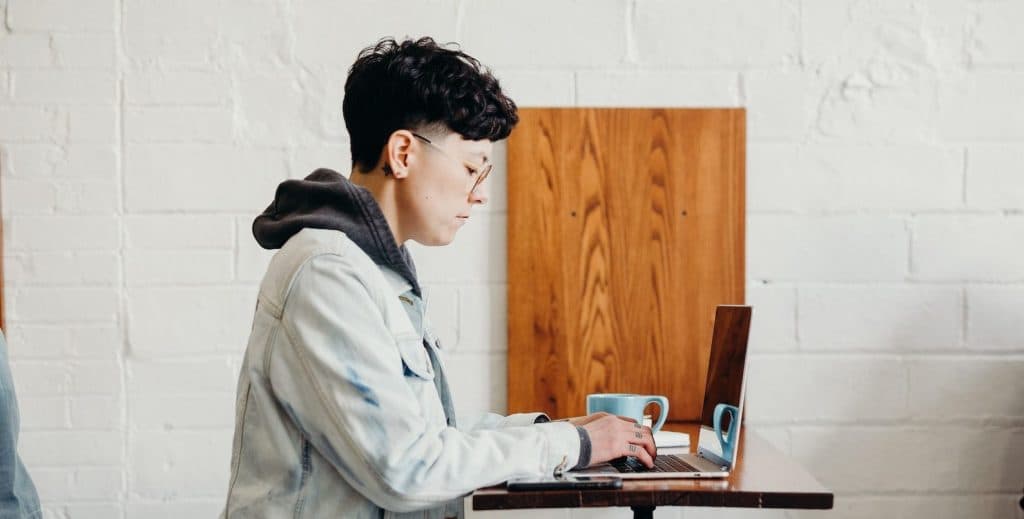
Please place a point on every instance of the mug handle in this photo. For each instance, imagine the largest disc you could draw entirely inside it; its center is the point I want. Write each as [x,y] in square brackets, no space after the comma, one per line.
[663,411]
[719,410]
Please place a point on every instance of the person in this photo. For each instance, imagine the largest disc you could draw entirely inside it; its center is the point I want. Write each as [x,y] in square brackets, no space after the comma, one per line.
[343,407]
[18,498]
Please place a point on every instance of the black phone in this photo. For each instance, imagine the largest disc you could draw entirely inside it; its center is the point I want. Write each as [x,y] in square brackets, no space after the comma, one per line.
[566,482]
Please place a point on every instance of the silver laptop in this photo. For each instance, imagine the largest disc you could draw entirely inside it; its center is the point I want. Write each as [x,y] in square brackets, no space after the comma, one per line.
[725,384]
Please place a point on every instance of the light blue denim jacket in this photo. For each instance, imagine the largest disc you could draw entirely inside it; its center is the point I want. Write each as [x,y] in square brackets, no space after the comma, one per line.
[337,413]
[18,499]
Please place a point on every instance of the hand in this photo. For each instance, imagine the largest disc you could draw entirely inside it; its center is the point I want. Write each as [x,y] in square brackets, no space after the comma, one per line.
[616,436]
[580,421]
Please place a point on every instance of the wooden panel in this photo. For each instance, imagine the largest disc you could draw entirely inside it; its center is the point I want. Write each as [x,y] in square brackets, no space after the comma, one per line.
[625,230]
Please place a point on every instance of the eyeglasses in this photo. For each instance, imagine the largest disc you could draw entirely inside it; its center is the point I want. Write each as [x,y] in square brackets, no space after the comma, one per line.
[480,172]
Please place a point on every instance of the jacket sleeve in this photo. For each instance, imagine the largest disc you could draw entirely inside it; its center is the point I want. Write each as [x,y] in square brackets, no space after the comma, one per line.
[340,376]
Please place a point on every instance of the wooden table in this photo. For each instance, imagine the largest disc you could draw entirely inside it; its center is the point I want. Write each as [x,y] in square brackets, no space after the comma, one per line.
[763,478]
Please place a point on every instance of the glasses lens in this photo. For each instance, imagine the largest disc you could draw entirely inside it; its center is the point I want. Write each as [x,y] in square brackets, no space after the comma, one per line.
[483,175]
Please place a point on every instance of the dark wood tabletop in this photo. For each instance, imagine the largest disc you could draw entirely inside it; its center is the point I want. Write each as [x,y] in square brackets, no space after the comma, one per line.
[763,478]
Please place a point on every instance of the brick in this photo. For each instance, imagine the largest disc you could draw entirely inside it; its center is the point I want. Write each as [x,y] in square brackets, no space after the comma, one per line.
[183,32]
[949,388]
[180,377]
[995,40]
[657,89]
[321,43]
[170,232]
[981,105]
[221,316]
[33,160]
[175,509]
[931,459]
[180,87]
[177,124]
[915,37]
[171,412]
[881,104]
[92,124]
[83,510]
[95,413]
[29,196]
[40,378]
[177,463]
[88,161]
[773,323]
[478,382]
[600,41]
[483,324]
[845,177]
[993,322]
[62,341]
[25,50]
[538,87]
[811,388]
[95,377]
[781,104]
[697,38]
[289,118]
[65,305]
[443,314]
[993,176]
[827,248]
[62,485]
[85,51]
[71,448]
[466,259]
[252,260]
[165,178]
[968,247]
[880,318]
[918,505]
[61,15]
[53,233]
[29,123]
[178,267]
[42,412]
[777,436]
[304,159]
[88,197]
[64,86]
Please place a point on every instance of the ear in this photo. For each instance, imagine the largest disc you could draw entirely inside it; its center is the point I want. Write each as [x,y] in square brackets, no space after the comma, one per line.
[396,152]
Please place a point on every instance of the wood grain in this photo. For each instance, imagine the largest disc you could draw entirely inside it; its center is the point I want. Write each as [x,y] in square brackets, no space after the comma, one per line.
[763,478]
[625,230]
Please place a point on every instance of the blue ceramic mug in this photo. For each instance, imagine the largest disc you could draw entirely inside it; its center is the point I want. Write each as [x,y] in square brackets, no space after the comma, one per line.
[727,438]
[628,405]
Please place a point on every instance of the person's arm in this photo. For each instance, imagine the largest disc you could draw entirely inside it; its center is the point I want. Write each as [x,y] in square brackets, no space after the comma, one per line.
[340,376]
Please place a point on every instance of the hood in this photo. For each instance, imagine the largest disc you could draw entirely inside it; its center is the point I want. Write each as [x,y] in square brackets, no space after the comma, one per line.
[327,200]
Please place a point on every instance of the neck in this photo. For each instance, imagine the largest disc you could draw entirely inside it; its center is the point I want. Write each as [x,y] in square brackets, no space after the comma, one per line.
[383,190]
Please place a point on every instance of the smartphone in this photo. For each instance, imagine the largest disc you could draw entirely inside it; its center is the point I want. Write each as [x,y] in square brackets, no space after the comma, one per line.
[567,482]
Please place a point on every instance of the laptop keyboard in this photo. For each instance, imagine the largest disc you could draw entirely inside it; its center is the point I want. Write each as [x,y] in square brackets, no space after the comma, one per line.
[663,463]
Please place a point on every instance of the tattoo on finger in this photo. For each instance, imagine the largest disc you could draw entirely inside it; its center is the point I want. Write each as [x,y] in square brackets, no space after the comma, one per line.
[639,435]
[632,448]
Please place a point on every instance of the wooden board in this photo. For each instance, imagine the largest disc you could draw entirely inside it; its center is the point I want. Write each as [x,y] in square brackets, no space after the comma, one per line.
[625,230]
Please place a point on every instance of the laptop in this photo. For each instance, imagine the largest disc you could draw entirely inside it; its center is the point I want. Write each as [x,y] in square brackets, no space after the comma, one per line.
[725,384]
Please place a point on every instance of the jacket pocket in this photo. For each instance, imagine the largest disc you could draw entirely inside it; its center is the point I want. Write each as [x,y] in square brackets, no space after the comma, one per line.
[415,360]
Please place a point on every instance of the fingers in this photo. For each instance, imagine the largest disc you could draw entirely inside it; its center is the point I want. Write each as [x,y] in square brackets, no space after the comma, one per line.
[646,437]
[640,453]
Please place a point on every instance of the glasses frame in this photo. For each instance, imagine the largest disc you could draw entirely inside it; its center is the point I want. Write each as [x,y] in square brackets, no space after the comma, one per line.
[482,172]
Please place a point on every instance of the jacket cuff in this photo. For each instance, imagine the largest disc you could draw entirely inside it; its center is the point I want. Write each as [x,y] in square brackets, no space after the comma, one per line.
[563,446]
[517,419]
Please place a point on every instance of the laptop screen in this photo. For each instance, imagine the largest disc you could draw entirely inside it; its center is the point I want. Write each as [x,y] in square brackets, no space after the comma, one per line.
[725,381]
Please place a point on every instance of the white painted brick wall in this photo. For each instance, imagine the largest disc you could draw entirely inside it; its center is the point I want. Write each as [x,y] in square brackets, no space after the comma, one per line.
[885,197]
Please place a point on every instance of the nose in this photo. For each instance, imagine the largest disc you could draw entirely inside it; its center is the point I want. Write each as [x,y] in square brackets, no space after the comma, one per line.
[481,194]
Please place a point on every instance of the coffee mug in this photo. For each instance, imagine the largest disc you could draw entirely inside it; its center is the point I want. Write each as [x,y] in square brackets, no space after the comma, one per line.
[728,438]
[628,405]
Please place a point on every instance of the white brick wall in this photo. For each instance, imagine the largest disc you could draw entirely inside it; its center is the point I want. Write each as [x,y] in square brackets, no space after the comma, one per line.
[886,191]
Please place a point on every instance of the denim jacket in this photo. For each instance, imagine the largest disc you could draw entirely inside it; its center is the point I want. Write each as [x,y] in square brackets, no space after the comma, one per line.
[18,498]
[337,411]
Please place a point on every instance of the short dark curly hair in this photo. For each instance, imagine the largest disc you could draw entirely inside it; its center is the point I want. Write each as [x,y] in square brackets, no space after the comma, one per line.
[418,84]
